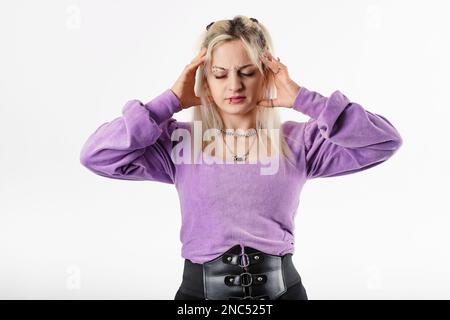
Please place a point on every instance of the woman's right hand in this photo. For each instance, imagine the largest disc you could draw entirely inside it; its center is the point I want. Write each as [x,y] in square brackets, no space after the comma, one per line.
[184,86]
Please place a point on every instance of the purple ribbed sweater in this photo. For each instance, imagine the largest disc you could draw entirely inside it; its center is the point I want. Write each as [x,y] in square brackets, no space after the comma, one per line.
[227,204]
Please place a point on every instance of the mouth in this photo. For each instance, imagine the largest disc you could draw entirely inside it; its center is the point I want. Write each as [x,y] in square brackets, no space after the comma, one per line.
[236,100]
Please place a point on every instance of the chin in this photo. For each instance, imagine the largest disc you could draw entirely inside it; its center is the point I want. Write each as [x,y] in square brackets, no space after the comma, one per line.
[236,108]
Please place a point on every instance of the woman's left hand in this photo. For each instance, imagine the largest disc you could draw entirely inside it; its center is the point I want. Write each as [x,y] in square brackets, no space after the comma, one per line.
[287,89]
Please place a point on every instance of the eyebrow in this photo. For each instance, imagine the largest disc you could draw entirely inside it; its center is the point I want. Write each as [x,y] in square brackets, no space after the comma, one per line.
[241,67]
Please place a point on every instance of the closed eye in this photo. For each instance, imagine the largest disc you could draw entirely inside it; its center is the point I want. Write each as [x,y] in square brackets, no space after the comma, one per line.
[244,74]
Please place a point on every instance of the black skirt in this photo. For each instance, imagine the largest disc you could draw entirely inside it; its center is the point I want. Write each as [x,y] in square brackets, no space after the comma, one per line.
[237,275]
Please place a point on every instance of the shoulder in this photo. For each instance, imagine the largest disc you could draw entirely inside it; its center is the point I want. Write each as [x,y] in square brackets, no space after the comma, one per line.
[170,125]
[293,131]
[301,132]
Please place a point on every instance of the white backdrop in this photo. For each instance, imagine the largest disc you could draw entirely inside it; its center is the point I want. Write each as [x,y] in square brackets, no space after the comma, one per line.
[66,67]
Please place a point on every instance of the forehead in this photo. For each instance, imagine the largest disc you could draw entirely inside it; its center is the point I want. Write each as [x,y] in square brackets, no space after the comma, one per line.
[231,54]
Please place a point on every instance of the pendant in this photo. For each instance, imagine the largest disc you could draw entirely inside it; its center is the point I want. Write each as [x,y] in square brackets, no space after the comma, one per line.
[236,158]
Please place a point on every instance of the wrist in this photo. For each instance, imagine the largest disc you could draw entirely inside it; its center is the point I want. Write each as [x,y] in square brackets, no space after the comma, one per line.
[296,92]
[177,96]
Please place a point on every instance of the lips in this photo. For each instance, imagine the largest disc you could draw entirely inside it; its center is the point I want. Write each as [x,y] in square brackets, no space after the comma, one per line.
[236,99]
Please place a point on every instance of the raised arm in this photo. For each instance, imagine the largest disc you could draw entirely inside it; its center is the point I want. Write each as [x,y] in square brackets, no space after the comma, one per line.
[135,146]
[341,137]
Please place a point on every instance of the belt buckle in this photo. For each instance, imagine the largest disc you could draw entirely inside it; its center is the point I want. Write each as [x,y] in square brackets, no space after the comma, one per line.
[218,272]
[242,277]
[244,257]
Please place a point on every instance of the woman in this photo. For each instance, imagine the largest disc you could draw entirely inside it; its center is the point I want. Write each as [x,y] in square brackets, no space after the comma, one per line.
[238,170]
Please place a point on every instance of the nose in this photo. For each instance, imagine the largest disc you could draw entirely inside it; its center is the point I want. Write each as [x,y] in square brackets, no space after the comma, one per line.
[235,82]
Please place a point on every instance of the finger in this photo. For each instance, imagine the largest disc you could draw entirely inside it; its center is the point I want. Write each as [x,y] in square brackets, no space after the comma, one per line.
[281,64]
[276,61]
[271,56]
[266,56]
[271,64]
[277,67]
[199,55]
[274,64]
[199,61]
[195,63]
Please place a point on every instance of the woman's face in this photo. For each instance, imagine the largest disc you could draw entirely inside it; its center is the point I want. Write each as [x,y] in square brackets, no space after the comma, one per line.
[233,74]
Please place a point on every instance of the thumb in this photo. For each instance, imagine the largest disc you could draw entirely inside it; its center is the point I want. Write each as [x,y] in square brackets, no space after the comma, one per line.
[193,103]
[267,103]
[197,101]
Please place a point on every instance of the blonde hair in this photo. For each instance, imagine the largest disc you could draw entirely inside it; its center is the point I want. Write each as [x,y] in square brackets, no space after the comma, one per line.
[256,39]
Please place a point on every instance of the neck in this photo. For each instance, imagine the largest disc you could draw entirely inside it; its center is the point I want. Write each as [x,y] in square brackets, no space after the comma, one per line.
[243,122]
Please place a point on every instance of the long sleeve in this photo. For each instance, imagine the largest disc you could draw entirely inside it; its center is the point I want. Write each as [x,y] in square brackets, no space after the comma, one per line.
[135,146]
[341,137]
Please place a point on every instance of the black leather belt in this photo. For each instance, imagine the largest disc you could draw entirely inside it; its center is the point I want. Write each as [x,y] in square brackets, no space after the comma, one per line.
[237,275]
